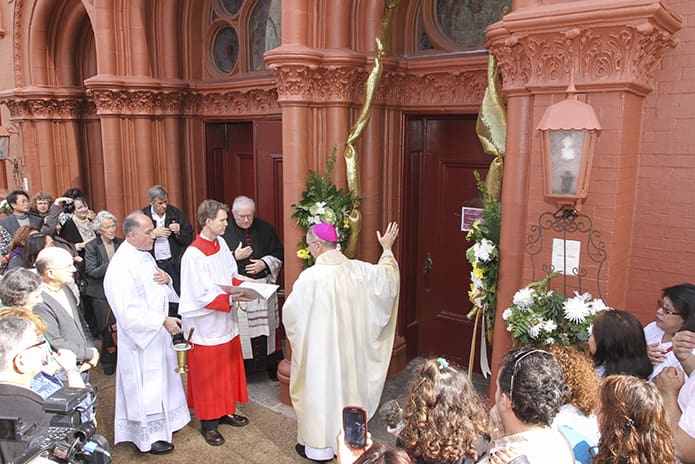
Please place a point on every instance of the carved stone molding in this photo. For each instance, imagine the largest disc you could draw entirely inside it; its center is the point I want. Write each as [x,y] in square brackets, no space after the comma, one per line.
[433,88]
[233,103]
[436,89]
[45,108]
[616,54]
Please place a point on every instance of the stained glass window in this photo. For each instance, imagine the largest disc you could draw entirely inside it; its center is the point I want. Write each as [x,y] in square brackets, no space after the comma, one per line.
[465,21]
[225,49]
[231,6]
[264,31]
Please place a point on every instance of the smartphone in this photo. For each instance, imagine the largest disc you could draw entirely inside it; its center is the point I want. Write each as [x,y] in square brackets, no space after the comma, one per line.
[355,426]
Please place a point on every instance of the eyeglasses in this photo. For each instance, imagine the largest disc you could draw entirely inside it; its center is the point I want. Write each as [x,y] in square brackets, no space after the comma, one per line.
[243,216]
[308,244]
[666,308]
[517,361]
[41,341]
[69,266]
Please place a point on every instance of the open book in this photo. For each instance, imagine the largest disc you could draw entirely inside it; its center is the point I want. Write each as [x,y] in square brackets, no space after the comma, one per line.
[250,289]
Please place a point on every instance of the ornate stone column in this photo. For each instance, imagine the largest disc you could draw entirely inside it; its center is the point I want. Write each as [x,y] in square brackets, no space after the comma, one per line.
[611,49]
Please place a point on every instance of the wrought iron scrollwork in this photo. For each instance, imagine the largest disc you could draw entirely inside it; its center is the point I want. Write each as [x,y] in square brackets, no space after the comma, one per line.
[566,221]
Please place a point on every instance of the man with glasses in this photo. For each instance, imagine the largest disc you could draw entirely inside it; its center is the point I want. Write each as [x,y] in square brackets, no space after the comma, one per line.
[22,356]
[66,325]
[259,255]
[531,388]
[340,320]
[21,206]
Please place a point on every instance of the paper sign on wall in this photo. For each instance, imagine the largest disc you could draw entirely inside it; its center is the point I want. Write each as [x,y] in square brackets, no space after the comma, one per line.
[565,258]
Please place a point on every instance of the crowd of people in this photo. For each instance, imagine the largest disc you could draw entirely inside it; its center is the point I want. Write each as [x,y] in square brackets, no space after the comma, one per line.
[76,296]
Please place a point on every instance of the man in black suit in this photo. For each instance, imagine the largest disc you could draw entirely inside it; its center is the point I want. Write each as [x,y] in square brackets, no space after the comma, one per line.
[66,326]
[173,234]
[19,201]
[97,254]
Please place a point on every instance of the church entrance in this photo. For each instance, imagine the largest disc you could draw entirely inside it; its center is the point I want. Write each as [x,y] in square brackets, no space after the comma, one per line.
[245,158]
[441,153]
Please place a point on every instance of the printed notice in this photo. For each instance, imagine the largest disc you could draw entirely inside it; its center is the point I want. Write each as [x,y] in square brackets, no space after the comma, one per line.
[469,216]
[566,256]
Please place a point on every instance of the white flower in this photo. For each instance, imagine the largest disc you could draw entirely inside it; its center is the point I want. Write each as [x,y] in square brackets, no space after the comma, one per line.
[550,341]
[523,298]
[507,314]
[549,325]
[589,330]
[483,250]
[576,308]
[315,219]
[318,208]
[535,330]
[477,283]
[597,305]
[509,328]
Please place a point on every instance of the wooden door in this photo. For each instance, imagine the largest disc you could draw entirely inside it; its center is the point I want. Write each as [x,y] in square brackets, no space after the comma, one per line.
[441,154]
[245,158]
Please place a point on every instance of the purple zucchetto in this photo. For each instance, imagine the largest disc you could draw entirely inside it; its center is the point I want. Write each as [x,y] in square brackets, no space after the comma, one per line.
[325,231]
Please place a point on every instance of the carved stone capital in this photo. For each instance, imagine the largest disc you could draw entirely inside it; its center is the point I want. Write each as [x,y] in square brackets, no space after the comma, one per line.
[143,102]
[52,108]
[316,83]
[619,51]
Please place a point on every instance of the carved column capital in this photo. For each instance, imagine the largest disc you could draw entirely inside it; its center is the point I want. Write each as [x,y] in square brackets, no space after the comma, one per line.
[300,82]
[51,107]
[142,102]
[616,47]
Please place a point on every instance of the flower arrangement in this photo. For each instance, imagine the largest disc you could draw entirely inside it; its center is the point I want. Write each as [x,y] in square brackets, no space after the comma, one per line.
[323,201]
[540,317]
[484,257]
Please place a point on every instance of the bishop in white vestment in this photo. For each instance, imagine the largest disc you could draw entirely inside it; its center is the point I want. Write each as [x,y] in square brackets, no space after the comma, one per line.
[150,400]
[340,320]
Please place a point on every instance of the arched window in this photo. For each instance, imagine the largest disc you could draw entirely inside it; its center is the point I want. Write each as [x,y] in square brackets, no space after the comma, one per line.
[240,32]
[458,25]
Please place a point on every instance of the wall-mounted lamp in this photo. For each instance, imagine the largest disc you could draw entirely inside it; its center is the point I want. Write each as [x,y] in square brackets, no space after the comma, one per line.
[569,130]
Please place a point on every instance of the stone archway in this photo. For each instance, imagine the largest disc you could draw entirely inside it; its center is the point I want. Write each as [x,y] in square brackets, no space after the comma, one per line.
[54,52]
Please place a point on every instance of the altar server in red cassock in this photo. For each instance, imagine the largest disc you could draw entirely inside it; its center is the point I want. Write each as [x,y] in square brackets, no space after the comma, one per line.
[216,379]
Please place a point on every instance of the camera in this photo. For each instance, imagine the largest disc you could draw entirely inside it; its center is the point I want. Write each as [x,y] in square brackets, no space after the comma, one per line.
[66,440]
[68,208]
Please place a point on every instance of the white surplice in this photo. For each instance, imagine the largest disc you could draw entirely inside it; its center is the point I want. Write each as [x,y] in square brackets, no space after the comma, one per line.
[150,400]
[340,320]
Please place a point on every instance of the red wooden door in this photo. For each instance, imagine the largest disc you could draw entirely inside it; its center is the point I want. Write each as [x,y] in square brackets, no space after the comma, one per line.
[245,158]
[441,154]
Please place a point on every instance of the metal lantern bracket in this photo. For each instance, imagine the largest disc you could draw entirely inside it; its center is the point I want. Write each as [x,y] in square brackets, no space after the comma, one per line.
[565,221]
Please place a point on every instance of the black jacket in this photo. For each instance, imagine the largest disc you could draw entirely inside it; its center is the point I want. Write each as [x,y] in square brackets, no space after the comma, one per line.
[177,243]
[95,263]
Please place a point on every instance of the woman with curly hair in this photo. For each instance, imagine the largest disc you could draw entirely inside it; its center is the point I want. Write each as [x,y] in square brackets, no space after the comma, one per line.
[618,346]
[633,423]
[576,419]
[445,419]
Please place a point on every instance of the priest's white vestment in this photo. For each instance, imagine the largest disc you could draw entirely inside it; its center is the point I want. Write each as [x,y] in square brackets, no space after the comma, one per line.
[340,320]
[150,400]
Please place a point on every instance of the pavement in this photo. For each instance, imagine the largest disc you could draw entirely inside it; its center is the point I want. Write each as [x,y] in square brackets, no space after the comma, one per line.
[270,436]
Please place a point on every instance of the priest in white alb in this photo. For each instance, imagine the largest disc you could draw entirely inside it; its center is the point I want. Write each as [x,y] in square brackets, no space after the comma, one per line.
[340,320]
[150,400]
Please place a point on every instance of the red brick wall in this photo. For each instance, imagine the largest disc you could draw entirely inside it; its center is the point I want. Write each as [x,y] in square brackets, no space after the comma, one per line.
[663,248]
